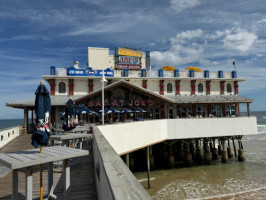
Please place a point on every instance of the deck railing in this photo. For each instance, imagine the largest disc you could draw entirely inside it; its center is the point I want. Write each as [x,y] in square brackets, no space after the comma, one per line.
[7,135]
[155,74]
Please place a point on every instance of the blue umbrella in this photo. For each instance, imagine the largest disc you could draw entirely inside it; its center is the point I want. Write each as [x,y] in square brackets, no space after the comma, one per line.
[127,111]
[141,110]
[109,110]
[42,110]
[71,116]
[62,113]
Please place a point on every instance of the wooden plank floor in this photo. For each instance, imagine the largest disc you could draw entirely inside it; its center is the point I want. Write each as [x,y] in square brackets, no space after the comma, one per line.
[82,175]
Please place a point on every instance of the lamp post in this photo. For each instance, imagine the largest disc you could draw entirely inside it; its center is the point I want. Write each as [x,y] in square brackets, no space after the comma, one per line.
[103,80]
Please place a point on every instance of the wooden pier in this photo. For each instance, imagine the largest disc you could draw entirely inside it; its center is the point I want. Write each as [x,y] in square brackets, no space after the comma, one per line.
[82,175]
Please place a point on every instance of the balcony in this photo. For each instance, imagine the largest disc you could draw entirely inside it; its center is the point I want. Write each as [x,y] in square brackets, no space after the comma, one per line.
[149,74]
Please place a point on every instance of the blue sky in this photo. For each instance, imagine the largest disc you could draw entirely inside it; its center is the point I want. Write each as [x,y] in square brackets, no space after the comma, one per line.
[209,34]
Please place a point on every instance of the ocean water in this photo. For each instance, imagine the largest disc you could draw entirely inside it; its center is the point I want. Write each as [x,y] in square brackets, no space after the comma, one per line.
[7,123]
[219,181]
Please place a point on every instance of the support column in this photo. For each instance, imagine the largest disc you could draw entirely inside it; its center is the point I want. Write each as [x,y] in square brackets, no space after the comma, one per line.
[248,111]
[224,154]
[198,153]
[214,151]
[171,157]
[15,184]
[28,186]
[127,160]
[26,119]
[50,179]
[207,155]
[148,165]
[241,155]
[229,150]
[66,175]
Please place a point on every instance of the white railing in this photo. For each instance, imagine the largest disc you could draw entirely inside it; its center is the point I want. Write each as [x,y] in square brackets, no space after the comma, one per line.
[213,74]
[183,74]
[6,135]
[134,74]
[155,74]
[227,75]
[61,72]
[199,74]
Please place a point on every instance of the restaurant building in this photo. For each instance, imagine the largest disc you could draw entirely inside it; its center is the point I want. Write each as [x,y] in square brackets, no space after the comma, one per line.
[134,92]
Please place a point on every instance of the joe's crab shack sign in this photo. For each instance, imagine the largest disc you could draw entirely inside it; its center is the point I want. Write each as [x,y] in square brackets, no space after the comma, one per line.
[122,103]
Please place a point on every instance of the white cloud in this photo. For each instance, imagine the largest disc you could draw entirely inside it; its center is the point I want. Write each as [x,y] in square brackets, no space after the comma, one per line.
[182,49]
[198,46]
[240,41]
[180,5]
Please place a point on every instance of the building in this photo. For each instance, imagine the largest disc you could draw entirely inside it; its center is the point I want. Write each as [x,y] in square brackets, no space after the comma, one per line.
[160,94]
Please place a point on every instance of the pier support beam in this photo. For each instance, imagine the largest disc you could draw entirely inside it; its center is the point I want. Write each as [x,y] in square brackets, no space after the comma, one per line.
[207,155]
[198,153]
[148,165]
[241,155]
[171,157]
[229,150]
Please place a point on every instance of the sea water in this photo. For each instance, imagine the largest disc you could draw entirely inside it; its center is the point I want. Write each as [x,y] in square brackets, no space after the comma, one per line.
[7,123]
[232,180]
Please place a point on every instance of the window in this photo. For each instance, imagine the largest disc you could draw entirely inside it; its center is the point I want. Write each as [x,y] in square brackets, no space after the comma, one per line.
[230,110]
[229,88]
[169,88]
[200,88]
[62,87]
[216,111]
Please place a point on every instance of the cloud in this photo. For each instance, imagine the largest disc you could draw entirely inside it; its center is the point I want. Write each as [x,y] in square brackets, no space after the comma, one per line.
[182,49]
[240,41]
[198,46]
[180,5]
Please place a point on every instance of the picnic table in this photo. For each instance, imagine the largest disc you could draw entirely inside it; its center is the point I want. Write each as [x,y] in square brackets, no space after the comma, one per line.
[69,137]
[28,158]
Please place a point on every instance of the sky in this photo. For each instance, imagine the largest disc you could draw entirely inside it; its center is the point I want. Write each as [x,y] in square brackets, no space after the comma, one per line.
[35,35]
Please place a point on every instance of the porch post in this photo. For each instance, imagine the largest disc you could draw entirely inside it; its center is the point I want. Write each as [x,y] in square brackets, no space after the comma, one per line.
[26,119]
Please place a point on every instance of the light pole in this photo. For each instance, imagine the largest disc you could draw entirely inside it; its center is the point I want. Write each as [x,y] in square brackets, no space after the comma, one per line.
[103,80]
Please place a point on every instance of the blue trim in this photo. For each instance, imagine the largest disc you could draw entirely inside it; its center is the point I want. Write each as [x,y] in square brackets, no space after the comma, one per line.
[234,74]
[52,70]
[160,73]
[220,74]
[206,74]
[191,73]
[176,73]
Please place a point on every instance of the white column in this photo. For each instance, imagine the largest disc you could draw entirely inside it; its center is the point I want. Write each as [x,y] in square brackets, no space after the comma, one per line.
[66,172]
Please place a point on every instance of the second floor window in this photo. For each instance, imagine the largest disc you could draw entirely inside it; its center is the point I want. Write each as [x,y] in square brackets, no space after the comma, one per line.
[200,88]
[229,88]
[62,87]
[169,88]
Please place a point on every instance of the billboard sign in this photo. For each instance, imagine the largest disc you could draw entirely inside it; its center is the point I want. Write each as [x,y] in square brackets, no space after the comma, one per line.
[128,52]
[128,66]
[128,60]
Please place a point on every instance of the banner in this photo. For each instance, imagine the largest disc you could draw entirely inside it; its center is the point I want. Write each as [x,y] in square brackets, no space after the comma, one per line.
[129,52]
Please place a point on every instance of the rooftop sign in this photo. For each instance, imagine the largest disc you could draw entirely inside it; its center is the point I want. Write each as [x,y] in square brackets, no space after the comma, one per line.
[129,52]
[84,72]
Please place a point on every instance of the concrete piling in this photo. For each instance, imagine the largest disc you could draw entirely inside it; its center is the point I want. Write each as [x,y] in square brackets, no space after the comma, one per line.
[207,155]
[241,155]
[215,154]
[224,156]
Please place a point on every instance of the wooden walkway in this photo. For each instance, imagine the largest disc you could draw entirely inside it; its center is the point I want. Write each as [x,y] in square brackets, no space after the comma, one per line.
[82,175]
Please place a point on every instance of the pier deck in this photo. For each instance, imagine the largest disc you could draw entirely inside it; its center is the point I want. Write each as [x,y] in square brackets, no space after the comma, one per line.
[82,175]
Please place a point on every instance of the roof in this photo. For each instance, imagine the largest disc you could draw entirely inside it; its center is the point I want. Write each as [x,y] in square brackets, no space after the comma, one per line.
[128,84]
[211,99]
[58,100]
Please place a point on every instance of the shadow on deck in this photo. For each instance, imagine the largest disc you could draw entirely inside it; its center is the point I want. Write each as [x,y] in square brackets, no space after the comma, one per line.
[82,180]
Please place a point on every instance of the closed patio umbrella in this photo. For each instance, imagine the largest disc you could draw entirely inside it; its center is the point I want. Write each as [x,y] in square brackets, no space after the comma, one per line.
[42,132]
[70,116]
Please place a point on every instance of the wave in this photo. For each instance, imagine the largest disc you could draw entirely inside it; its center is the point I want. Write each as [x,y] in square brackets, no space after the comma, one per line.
[233,194]
[263,117]
[145,179]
